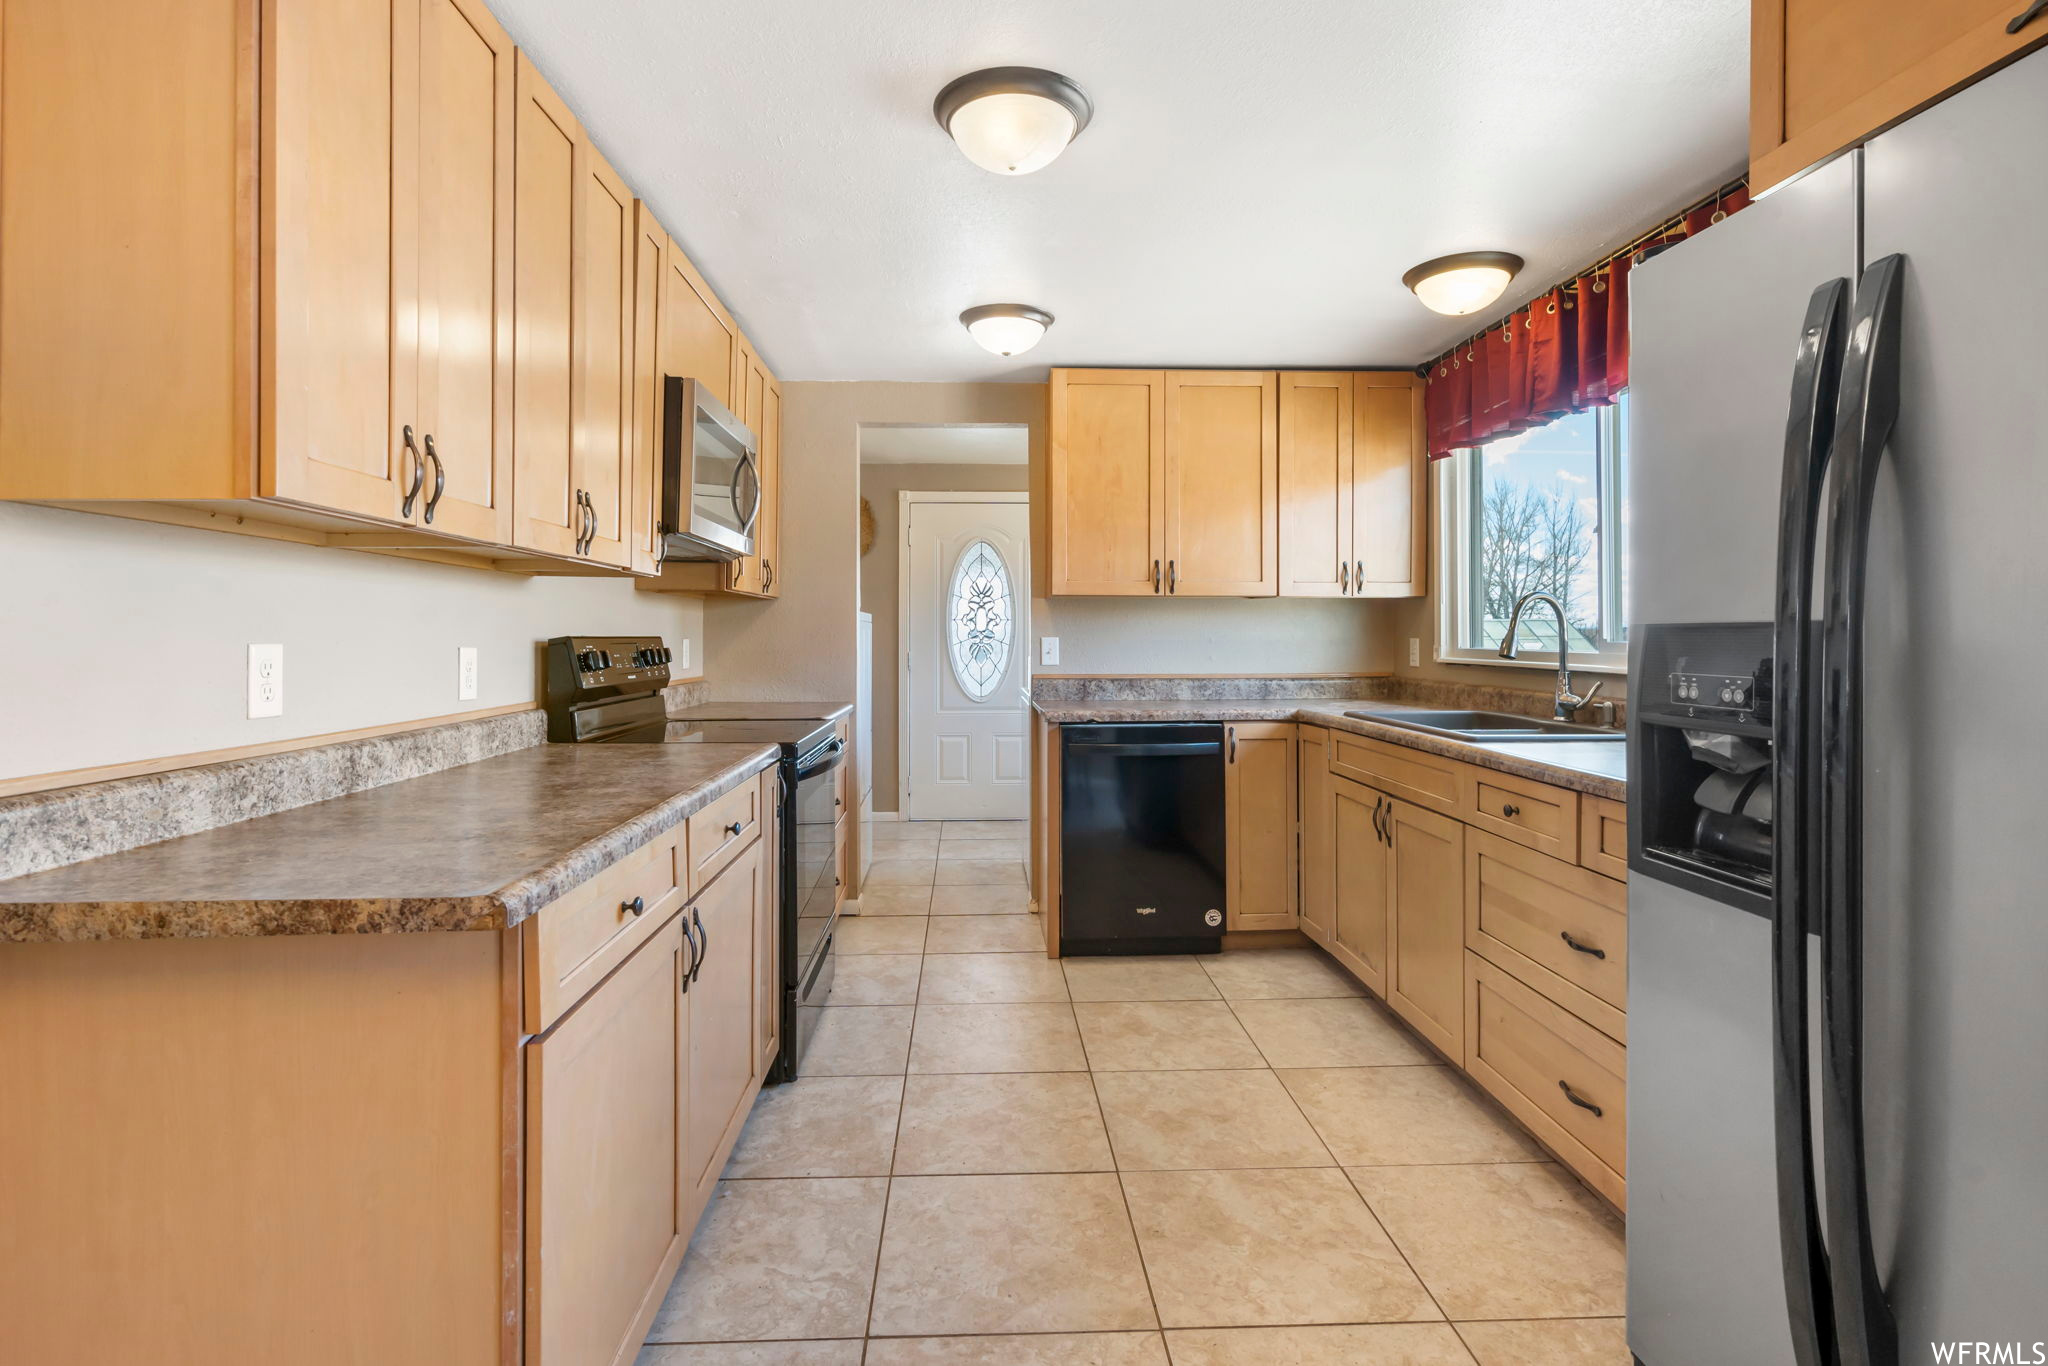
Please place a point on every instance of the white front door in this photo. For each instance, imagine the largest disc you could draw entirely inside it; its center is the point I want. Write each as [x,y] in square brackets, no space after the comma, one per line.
[966,587]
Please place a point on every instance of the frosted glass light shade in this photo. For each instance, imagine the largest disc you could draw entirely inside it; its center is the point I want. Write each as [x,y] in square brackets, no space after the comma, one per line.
[1012,120]
[1006,329]
[1464,283]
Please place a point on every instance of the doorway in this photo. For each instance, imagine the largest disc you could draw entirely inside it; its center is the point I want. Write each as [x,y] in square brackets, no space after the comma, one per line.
[964,600]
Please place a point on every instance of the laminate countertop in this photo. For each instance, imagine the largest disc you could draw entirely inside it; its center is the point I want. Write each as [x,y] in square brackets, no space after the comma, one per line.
[1597,767]
[478,847]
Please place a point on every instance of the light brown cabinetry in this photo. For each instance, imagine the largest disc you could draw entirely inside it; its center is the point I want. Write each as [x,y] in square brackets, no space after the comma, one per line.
[723,1068]
[1562,929]
[1361,868]
[1426,938]
[650,268]
[1222,483]
[1106,482]
[1259,824]
[1825,74]
[1352,496]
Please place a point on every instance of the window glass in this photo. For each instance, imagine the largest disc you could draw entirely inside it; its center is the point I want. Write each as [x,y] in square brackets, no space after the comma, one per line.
[979,620]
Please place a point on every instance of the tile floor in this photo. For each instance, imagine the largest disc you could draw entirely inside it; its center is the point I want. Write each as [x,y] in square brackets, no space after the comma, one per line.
[997,1159]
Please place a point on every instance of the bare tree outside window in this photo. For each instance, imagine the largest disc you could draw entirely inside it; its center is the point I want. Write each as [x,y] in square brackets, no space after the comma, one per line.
[1538,541]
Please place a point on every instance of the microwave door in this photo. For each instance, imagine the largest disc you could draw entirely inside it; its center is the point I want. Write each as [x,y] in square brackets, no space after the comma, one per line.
[710,480]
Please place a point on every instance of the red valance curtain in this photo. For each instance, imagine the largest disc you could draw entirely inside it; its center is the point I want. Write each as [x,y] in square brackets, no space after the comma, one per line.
[1563,353]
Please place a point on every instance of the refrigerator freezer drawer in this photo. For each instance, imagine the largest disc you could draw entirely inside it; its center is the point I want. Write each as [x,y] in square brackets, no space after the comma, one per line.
[1560,928]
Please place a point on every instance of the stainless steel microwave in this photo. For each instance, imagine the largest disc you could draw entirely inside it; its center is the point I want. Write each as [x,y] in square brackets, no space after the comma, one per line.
[710,476]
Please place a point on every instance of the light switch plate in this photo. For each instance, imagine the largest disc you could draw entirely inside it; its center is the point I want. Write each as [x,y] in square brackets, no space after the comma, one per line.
[465,673]
[1414,651]
[1048,649]
[266,681]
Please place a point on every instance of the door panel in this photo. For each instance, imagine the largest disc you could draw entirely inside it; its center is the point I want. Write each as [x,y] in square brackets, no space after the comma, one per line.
[1222,483]
[1106,481]
[465,265]
[1315,483]
[1388,494]
[768,531]
[1426,967]
[650,267]
[1259,819]
[602,382]
[723,1063]
[544,301]
[699,336]
[1363,883]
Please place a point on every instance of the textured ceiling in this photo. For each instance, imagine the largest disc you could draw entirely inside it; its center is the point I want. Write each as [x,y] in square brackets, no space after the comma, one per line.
[882,444]
[1257,176]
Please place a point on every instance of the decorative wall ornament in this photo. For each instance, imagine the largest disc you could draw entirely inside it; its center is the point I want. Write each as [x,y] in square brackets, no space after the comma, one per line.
[867,527]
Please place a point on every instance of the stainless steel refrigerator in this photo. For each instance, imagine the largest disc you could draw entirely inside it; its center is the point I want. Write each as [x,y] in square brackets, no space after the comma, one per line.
[1838,946]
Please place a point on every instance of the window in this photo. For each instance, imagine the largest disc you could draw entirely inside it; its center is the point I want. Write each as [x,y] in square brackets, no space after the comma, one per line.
[979,620]
[1543,511]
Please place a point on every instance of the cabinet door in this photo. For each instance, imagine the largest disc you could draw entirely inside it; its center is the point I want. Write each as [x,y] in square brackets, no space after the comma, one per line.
[650,266]
[1389,493]
[466,84]
[339,304]
[722,1065]
[601,382]
[768,536]
[1258,814]
[698,336]
[1318,851]
[544,298]
[1106,482]
[1222,483]
[750,388]
[1315,483]
[768,929]
[604,1226]
[1362,880]
[1426,964]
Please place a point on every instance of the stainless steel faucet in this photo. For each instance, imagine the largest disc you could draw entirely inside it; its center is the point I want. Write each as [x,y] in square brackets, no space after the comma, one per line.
[1566,703]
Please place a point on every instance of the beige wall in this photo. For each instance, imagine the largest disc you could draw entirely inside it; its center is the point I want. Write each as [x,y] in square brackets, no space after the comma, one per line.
[880,484]
[163,617]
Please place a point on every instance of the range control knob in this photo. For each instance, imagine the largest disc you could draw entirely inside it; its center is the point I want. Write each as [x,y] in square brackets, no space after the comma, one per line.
[587,661]
[604,659]
[666,655]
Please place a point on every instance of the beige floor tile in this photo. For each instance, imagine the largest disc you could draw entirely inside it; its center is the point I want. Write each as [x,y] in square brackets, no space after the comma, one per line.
[876,979]
[820,1126]
[1352,1344]
[954,850]
[1014,1122]
[1277,974]
[1138,979]
[1008,1254]
[990,978]
[899,872]
[1013,899]
[881,934]
[996,1038]
[1038,1349]
[1247,1248]
[1163,1036]
[905,832]
[987,830]
[840,1352]
[987,934]
[1332,1033]
[777,1259]
[980,872]
[885,901]
[1502,1240]
[1168,1121]
[1402,1116]
[858,1041]
[1549,1342]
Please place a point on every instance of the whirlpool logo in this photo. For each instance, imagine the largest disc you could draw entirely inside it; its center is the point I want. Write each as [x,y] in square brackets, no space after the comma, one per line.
[1990,1353]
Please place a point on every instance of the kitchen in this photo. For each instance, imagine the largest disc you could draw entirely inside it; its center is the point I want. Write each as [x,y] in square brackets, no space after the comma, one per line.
[1427,796]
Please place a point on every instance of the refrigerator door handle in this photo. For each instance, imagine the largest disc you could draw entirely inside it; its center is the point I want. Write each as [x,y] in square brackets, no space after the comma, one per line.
[1809,430]
[1865,1327]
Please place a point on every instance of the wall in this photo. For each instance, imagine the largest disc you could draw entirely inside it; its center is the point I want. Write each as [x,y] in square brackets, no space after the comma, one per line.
[163,616]
[880,484]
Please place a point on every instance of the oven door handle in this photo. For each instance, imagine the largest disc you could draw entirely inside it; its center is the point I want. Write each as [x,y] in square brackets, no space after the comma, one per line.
[825,758]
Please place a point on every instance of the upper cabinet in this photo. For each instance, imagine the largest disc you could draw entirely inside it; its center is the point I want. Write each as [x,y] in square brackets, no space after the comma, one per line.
[1825,74]
[1224,483]
[650,269]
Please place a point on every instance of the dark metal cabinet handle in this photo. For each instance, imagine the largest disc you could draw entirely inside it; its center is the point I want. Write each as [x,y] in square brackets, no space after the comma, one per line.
[689,968]
[1173,576]
[638,906]
[1509,809]
[1580,1101]
[582,521]
[590,521]
[703,944]
[1358,576]
[767,575]
[733,829]
[1155,576]
[419,473]
[1587,949]
[2026,16]
[440,481]
[1344,578]
[1233,744]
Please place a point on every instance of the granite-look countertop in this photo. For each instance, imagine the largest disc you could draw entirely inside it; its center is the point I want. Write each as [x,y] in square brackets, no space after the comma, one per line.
[1597,767]
[478,847]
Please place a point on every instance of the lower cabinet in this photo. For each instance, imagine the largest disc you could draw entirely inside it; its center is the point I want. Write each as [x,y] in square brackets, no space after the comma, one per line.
[1362,883]
[1426,955]
[1259,820]
[722,1068]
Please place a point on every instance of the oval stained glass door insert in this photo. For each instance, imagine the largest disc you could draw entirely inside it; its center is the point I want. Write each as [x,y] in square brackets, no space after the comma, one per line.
[980,620]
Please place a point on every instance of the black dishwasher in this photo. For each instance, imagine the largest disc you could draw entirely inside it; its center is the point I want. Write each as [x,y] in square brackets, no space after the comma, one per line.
[1141,839]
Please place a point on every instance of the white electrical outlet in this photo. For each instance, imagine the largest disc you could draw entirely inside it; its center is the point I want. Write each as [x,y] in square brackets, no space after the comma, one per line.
[683,653]
[1414,651]
[266,681]
[1048,649]
[465,673]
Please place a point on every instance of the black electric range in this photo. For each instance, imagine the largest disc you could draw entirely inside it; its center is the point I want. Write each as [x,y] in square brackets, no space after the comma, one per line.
[607,690]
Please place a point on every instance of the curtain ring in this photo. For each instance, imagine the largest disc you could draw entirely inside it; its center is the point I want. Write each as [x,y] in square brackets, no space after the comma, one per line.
[1472,352]
[1719,214]
[1553,305]
[1529,320]
[1599,285]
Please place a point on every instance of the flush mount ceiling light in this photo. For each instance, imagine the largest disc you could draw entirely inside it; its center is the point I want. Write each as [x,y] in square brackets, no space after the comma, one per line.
[1012,119]
[1006,329]
[1464,283]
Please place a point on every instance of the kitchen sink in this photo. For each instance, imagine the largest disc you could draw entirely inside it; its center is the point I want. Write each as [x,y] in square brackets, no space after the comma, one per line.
[1485,725]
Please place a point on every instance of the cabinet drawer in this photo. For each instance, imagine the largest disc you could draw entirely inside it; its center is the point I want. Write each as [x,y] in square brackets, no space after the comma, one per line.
[721,830]
[1535,1057]
[1425,779]
[1524,911]
[1603,836]
[1536,814]
[572,943]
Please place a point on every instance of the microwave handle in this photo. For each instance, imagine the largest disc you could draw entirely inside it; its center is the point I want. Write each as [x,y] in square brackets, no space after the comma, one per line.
[747,466]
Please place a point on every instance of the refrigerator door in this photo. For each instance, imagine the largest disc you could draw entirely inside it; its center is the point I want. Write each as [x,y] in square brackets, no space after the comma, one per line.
[1956,1061]
[1715,332]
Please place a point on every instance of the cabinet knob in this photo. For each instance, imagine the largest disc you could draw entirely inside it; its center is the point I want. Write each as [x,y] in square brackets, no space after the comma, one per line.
[733,829]
[1510,809]
[638,906]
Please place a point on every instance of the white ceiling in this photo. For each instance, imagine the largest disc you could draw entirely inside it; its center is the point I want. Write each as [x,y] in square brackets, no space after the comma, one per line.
[978,444]
[1257,176]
